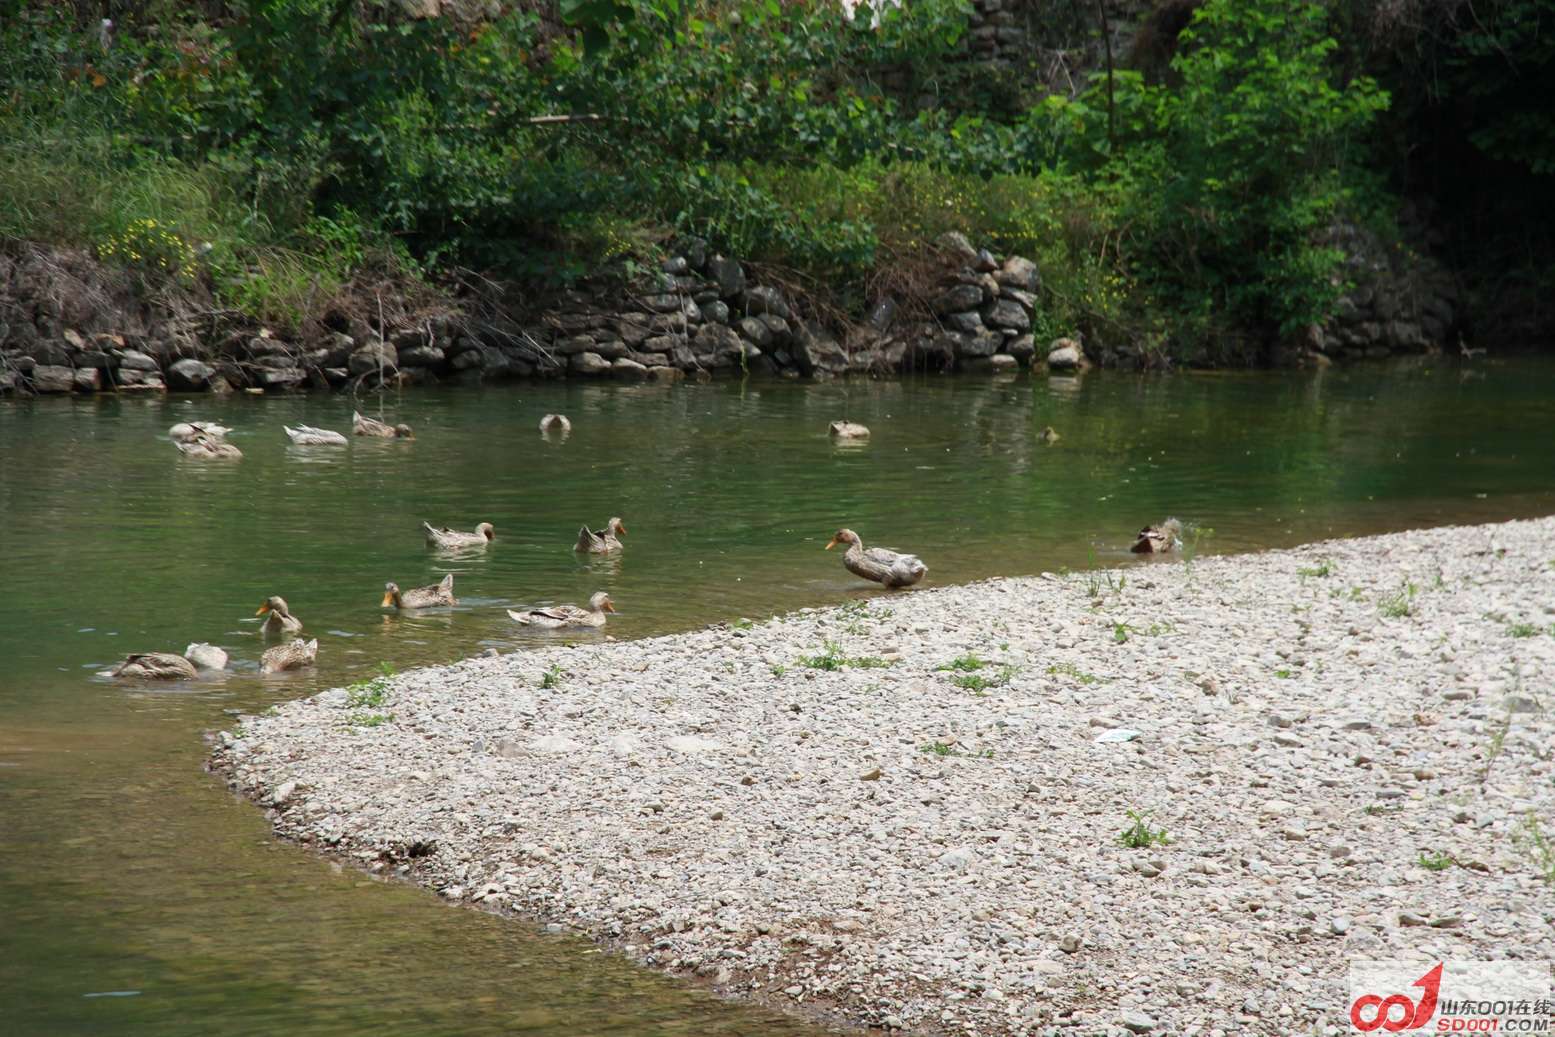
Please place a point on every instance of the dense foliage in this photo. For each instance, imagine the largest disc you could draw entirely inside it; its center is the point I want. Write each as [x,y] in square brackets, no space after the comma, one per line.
[307,141]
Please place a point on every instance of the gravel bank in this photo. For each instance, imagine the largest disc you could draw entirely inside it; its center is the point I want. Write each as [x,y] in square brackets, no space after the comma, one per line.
[939,849]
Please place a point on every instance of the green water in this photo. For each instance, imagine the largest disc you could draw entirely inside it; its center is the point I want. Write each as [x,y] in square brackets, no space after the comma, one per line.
[125,868]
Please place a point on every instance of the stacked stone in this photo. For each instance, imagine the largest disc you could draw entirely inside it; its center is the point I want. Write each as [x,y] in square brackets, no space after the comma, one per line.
[984,312]
[992,33]
[697,315]
[1402,302]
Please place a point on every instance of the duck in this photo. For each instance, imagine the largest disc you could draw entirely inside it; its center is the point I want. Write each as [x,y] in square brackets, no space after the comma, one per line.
[205,448]
[420,597]
[291,656]
[455,538]
[555,423]
[278,618]
[892,568]
[361,425]
[206,656]
[185,431]
[1049,434]
[160,666]
[601,541]
[558,616]
[848,430]
[307,435]
[1155,540]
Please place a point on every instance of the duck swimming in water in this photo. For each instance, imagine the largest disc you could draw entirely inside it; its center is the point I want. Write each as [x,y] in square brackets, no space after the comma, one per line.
[601,541]
[441,593]
[558,616]
[361,425]
[1155,540]
[456,538]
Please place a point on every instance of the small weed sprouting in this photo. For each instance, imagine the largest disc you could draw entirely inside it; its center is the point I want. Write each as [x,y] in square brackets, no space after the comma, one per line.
[1497,744]
[1379,809]
[950,749]
[370,719]
[965,663]
[1522,630]
[1284,674]
[1140,835]
[833,659]
[1434,861]
[1120,633]
[370,693]
[980,684]
[1400,603]
[1541,848]
[552,677]
[1322,569]
[778,669]
[742,624]
[1071,670]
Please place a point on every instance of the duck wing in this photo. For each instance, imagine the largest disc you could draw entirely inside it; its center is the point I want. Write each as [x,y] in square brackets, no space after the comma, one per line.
[588,540]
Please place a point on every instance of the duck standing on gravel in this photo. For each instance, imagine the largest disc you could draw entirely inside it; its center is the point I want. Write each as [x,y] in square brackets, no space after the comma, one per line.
[1156,540]
[420,597]
[601,541]
[361,425]
[307,435]
[892,568]
[278,618]
[293,656]
[558,616]
[453,539]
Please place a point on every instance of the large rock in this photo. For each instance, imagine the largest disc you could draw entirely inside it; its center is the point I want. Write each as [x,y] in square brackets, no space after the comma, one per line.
[761,300]
[628,370]
[135,360]
[95,358]
[816,352]
[717,341]
[780,331]
[984,343]
[52,378]
[611,349]
[715,311]
[970,322]
[1018,273]
[88,379]
[420,356]
[1065,354]
[51,354]
[756,330]
[338,348]
[666,374]
[134,380]
[958,298]
[956,246]
[280,378]
[1022,349]
[370,357]
[1006,313]
[573,345]
[589,364]
[190,375]
[729,275]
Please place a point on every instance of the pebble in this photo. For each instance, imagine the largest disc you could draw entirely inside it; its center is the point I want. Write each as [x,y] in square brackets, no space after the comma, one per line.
[917,857]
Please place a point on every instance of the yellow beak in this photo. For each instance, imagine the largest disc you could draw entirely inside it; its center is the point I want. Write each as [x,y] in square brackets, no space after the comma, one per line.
[609,607]
[621,528]
[263,609]
[388,599]
[831,543]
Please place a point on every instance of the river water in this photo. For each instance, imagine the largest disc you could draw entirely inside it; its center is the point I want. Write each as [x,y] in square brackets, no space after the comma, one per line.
[138,897]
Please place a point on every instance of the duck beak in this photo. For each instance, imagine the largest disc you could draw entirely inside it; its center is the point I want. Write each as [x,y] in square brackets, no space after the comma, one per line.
[609,607]
[831,543]
[388,599]
[263,609]
[621,528]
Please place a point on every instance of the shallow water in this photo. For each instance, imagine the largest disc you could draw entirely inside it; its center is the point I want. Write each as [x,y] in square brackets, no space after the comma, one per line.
[126,871]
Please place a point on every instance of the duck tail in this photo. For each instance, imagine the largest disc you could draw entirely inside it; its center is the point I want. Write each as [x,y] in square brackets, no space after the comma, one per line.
[447,582]
[518,617]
